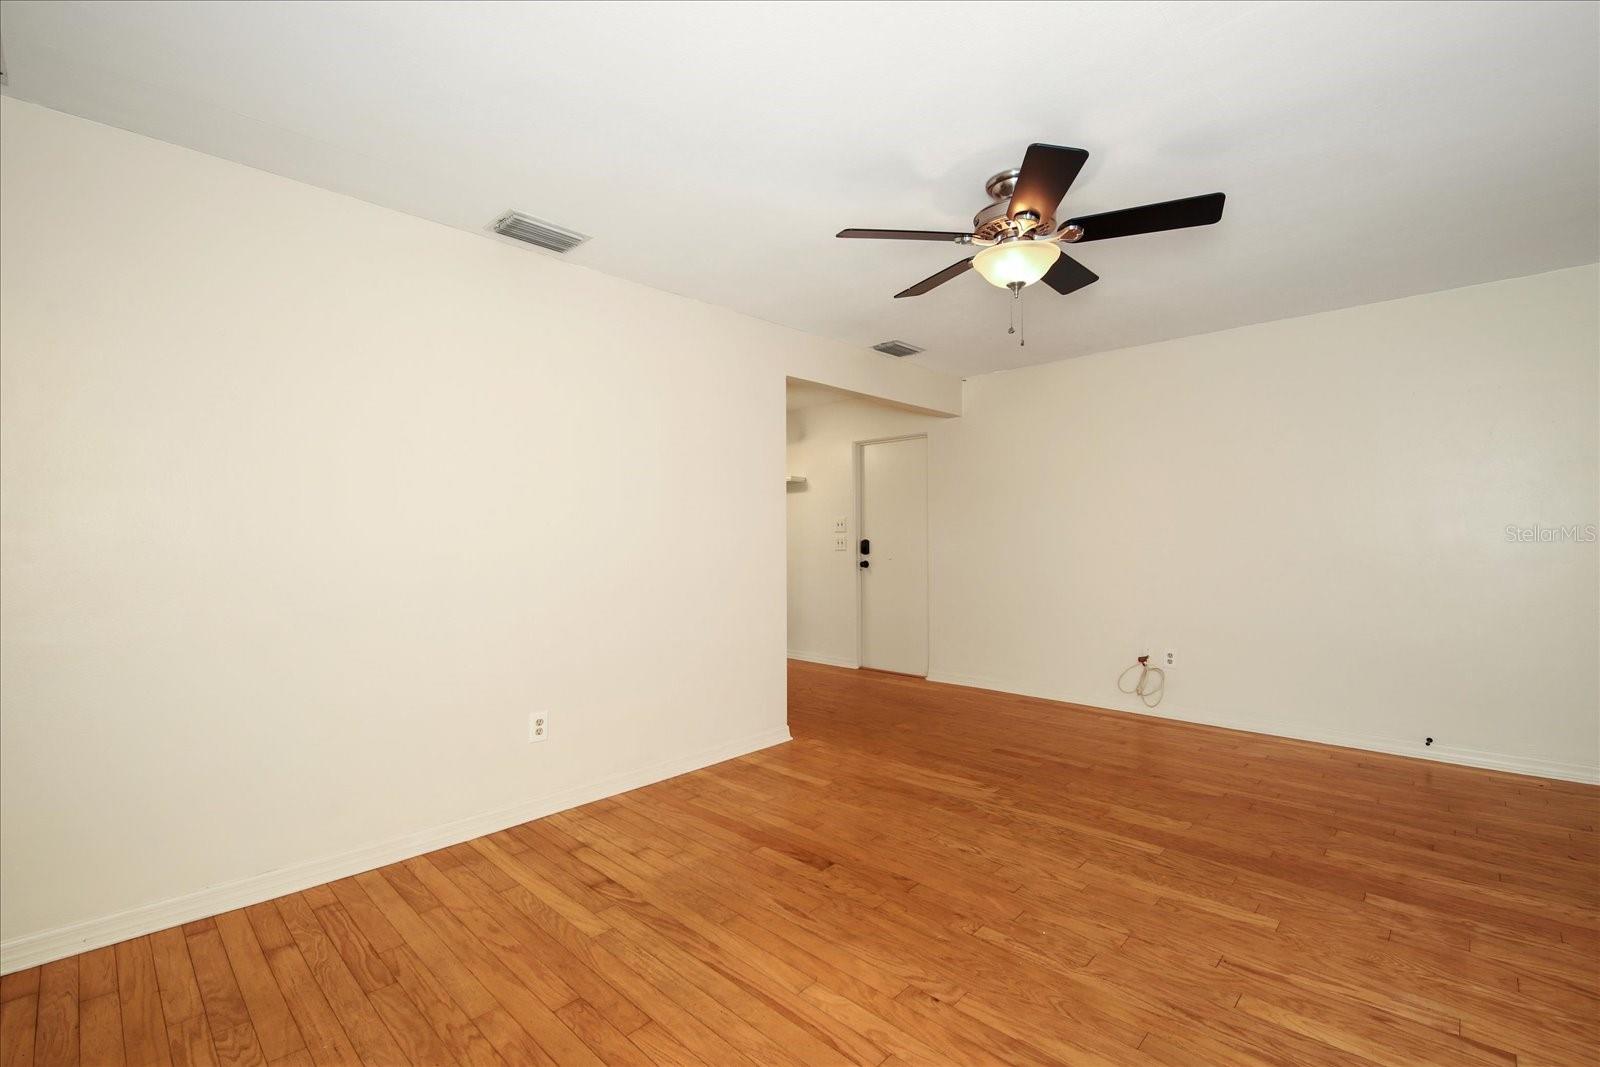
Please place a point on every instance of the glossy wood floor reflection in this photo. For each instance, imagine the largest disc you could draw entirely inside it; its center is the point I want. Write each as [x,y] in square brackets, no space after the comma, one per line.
[927,875]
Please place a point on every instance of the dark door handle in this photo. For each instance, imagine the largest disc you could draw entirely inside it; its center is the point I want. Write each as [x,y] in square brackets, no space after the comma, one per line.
[866,547]
[865,564]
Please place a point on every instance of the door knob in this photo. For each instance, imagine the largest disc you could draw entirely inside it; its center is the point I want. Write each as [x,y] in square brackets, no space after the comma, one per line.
[865,564]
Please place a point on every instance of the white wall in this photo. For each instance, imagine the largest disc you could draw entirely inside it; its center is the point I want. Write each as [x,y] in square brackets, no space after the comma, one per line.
[1312,513]
[308,504]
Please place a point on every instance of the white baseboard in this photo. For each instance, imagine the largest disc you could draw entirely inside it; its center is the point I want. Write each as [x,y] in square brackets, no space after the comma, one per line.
[1465,757]
[48,945]
[827,661]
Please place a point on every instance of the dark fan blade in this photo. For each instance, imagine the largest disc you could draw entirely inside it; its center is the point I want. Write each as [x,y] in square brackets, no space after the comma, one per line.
[1068,275]
[1047,173]
[904,235]
[1152,218]
[937,280]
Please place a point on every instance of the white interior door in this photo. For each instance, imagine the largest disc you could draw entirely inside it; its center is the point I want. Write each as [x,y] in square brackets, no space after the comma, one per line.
[894,580]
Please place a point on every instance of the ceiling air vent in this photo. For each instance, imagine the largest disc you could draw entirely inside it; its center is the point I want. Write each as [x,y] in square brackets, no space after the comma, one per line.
[548,235]
[896,348]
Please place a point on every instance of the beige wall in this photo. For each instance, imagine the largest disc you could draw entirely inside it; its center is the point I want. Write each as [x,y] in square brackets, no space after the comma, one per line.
[308,504]
[1312,513]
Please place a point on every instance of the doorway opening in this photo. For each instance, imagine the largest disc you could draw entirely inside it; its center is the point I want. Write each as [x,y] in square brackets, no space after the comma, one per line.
[858,531]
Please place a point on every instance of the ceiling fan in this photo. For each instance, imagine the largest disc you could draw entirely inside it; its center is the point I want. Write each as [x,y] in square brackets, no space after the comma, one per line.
[1017,229]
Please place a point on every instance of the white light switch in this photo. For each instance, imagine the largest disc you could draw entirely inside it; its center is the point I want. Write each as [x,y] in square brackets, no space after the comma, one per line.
[841,525]
[841,544]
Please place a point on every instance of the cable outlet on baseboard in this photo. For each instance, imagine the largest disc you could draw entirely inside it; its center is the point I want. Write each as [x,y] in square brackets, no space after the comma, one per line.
[538,727]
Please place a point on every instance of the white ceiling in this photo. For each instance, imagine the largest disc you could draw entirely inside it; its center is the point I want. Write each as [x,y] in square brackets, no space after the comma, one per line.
[1369,151]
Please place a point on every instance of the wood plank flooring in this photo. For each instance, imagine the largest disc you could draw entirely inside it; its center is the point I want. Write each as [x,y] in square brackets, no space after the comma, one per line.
[927,875]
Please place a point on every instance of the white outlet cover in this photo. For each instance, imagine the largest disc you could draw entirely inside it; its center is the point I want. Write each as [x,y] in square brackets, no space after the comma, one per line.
[538,727]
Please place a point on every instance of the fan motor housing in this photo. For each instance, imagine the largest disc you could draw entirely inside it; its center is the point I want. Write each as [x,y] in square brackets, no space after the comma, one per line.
[993,224]
[990,222]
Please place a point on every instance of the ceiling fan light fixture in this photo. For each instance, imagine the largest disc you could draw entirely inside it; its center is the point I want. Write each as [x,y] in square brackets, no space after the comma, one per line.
[1016,262]
[1016,230]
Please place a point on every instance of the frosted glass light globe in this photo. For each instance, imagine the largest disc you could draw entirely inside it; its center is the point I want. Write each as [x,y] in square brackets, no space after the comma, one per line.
[1014,262]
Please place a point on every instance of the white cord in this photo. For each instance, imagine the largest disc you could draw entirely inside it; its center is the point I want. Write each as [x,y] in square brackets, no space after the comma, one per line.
[1143,688]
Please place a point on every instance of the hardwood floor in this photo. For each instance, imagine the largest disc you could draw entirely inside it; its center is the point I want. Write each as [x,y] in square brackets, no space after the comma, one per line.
[927,875]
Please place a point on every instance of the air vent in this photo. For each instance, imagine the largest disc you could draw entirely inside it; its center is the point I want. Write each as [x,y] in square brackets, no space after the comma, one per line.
[896,348]
[538,232]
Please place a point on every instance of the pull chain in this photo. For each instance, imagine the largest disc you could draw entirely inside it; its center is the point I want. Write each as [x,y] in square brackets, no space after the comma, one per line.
[1017,319]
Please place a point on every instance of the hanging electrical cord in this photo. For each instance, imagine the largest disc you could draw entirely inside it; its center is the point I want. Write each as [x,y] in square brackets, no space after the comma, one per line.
[1147,686]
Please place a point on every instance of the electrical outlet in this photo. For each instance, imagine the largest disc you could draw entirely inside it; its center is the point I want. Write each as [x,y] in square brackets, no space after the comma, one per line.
[841,544]
[538,727]
[1169,659]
